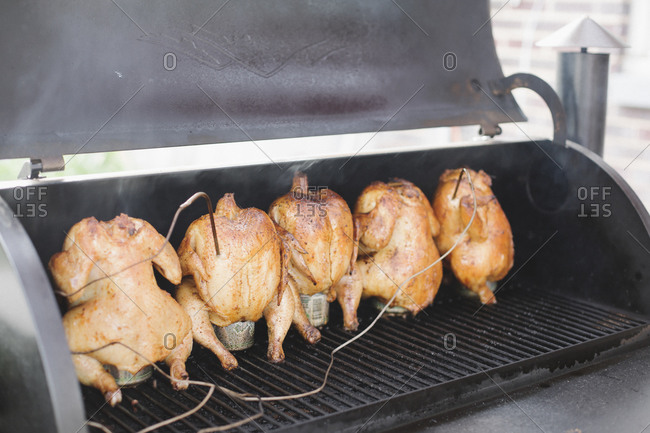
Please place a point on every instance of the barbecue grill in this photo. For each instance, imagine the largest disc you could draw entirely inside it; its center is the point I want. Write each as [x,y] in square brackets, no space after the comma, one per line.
[96,77]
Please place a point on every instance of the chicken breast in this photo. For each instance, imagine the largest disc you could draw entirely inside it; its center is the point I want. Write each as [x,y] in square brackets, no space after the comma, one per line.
[245,281]
[321,222]
[396,228]
[485,253]
[122,303]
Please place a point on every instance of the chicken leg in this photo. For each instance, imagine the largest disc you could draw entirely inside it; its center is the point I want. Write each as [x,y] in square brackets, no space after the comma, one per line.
[90,372]
[278,319]
[202,329]
[300,321]
[348,292]
[176,362]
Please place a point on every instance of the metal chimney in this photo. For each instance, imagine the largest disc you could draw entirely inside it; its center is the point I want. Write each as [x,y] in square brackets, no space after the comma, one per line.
[582,79]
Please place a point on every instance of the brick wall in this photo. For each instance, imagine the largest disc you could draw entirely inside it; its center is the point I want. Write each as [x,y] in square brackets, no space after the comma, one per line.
[520,23]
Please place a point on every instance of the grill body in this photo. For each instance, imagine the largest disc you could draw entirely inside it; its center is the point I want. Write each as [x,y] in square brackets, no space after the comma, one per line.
[579,291]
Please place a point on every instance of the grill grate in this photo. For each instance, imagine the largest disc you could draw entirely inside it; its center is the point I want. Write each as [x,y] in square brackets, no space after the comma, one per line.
[399,357]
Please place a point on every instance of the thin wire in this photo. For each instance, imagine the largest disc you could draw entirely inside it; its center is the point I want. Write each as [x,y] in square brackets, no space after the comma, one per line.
[198,407]
[259,399]
[383,310]
[184,205]
[460,177]
[100,426]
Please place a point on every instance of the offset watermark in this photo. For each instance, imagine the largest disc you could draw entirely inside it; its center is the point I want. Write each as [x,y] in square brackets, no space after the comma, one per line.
[491,18]
[449,61]
[104,124]
[309,208]
[169,61]
[235,123]
[382,126]
[169,341]
[411,18]
[449,341]
[30,201]
[636,157]
[129,17]
[198,29]
[594,202]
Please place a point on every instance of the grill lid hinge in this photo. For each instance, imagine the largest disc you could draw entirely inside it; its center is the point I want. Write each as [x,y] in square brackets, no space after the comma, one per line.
[35,166]
[489,130]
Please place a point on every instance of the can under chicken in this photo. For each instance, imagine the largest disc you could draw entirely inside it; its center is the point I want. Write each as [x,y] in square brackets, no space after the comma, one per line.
[316,308]
[125,378]
[237,336]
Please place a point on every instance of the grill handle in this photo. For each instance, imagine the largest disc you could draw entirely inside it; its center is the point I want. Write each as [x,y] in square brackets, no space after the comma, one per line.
[505,85]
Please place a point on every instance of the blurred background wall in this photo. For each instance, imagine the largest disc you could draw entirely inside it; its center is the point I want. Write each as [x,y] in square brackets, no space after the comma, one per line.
[518,24]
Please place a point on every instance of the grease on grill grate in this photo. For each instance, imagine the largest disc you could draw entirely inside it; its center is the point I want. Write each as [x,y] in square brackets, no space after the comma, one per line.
[446,342]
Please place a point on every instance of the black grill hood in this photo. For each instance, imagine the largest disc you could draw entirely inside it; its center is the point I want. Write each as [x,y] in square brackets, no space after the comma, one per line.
[95,76]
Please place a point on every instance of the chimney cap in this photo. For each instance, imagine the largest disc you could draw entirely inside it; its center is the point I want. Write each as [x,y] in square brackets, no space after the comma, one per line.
[581,33]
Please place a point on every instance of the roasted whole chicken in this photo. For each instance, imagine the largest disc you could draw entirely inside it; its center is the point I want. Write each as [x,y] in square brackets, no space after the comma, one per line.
[245,281]
[485,254]
[321,221]
[122,303]
[396,227]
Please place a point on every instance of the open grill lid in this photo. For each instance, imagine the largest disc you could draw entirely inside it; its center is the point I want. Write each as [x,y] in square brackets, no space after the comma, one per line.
[101,76]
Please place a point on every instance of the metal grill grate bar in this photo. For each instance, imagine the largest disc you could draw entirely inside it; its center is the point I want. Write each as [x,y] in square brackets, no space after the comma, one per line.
[617,320]
[521,323]
[506,343]
[345,367]
[372,342]
[333,385]
[476,353]
[380,368]
[141,398]
[455,366]
[409,346]
[296,407]
[309,384]
[557,322]
[237,412]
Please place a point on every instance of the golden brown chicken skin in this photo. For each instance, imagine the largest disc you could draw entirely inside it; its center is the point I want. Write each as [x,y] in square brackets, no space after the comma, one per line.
[396,226]
[126,307]
[485,253]
[245,281]
[321,221]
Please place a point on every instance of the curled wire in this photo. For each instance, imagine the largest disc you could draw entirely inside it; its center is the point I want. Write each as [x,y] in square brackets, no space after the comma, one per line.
[183,205]
[383,310]
[210,386]
[259,399]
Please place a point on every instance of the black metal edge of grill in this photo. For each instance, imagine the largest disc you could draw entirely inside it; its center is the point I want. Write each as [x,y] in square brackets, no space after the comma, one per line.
[596,260]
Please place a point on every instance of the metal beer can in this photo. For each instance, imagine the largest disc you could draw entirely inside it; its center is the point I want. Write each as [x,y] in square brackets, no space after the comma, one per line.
[124,378]
[316,308]
[237,336]
[391,311]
